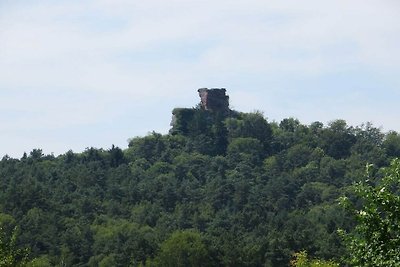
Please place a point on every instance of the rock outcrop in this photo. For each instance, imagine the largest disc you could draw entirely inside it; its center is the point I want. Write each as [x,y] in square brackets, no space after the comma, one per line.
[214,106]
[214,99]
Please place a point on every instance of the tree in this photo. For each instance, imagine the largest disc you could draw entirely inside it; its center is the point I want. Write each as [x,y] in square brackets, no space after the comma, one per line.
[392,144]
[252,125]
[375,240]
[301,259]
[338,139]
[10,254]
[184,248]
[244,148]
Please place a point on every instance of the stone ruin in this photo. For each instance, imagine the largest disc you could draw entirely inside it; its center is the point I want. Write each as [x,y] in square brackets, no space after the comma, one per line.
[214,99]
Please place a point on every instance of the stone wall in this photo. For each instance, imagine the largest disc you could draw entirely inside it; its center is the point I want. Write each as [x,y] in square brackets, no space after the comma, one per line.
[214,99]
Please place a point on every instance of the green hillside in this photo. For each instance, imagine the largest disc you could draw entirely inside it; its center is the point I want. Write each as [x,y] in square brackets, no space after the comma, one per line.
[221,189]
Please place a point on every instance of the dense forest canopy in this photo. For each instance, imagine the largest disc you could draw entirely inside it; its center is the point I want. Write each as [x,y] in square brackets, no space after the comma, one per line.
[221,189]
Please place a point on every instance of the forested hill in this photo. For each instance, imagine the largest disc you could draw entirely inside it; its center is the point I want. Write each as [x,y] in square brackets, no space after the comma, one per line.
[221,189]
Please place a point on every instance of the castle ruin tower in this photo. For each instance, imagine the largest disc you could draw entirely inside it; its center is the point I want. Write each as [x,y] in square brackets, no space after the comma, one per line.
[214,99]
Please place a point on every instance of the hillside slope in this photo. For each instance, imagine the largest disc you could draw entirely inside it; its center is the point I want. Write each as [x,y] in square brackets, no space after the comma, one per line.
[226,189]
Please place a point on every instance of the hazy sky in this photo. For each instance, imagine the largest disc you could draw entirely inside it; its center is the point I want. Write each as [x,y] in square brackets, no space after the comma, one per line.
[82,73]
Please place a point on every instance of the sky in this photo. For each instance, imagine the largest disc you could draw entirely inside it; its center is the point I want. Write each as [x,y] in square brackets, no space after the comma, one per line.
[91,73]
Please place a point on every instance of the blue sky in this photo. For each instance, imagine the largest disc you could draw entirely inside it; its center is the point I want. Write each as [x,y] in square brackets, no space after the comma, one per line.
[76,74]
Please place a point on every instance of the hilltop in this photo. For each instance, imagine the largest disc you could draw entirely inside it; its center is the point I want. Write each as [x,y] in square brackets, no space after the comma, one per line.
[223,188]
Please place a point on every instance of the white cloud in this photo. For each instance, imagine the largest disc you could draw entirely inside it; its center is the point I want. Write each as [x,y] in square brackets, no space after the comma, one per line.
[247,35]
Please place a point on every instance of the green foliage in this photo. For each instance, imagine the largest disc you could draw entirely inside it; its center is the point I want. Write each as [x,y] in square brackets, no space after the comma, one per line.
[338,140]
[252,125]
[250,191]
[301,259]
[10,254]
[182,118]
[392,144]
[375,240]
[245,149]
[120,242]
[183,248]
[42,261]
